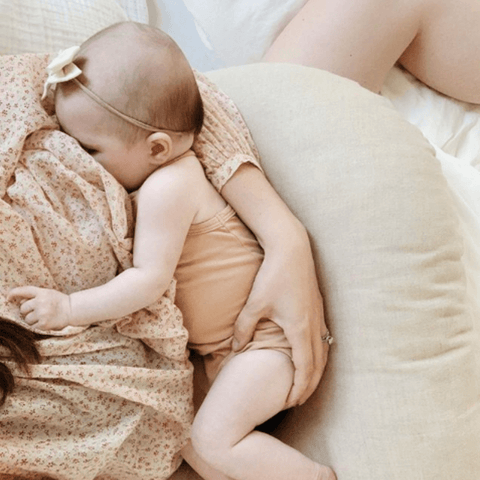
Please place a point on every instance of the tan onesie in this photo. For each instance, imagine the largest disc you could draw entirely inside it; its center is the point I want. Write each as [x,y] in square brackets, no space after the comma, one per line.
[214,277]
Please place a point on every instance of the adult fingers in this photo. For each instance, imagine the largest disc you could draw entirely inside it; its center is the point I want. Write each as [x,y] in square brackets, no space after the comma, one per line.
[303,362]
[320,355]
[309,355]
[245,325]
[320,360]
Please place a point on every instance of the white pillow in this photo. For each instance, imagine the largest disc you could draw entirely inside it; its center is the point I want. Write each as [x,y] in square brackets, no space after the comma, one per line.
[138,10]
[240,31]
[32,26]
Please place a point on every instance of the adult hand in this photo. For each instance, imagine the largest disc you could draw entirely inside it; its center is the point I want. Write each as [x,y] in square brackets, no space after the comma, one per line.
[42,308]
[285,289]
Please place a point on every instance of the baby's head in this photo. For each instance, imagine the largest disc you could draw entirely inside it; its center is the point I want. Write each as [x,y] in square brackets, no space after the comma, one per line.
[141,106]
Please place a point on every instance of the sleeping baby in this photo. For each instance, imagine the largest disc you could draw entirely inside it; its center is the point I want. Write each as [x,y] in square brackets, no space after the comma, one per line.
[130,98]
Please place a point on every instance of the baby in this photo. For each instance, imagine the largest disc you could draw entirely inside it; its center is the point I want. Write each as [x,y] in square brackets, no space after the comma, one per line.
[130,98]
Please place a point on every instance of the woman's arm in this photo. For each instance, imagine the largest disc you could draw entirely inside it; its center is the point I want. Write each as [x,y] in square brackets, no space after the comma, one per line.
[285,289]
[162,224]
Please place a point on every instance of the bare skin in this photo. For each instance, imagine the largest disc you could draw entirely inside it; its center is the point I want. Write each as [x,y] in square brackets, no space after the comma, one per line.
[438,41]
[172,193]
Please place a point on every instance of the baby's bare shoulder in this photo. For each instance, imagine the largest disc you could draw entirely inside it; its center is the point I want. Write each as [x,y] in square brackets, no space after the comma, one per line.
[184,176]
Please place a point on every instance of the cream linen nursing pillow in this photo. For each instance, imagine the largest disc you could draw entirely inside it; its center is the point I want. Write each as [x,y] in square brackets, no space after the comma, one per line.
[400,398]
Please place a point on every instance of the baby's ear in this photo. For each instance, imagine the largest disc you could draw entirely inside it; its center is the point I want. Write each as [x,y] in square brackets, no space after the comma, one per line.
[161,147]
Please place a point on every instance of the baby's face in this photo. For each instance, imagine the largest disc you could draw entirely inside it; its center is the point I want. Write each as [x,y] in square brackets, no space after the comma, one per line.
[88,123]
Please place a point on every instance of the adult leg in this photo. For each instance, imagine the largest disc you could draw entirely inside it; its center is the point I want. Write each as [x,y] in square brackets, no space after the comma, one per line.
[251,388]
[357,39]
[438,41]
[446,53]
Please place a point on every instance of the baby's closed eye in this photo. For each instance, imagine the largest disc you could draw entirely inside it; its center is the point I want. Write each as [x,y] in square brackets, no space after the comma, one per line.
[89,150]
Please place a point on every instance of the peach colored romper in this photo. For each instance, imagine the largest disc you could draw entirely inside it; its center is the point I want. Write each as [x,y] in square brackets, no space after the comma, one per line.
[214,277]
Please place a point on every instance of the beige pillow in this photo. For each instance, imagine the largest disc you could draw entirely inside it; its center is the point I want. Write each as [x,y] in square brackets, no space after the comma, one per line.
[400,398]
[32,26]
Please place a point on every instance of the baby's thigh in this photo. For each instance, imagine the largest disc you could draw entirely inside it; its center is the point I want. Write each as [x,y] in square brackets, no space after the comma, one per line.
[210,359]
[250,389]
[267,336]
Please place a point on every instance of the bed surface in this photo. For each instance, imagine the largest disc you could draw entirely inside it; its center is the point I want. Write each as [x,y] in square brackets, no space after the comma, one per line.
[452,128]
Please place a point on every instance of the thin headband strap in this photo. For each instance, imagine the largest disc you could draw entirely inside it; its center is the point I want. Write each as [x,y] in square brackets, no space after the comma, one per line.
[118,113]
[62,69]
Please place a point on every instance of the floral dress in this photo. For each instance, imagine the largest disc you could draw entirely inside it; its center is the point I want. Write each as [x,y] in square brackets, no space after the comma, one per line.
[112,401]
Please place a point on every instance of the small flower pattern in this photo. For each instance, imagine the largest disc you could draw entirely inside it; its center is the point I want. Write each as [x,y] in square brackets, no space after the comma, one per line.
[112,401]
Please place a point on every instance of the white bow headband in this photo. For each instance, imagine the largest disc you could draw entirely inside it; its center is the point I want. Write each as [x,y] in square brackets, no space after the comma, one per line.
[62,69]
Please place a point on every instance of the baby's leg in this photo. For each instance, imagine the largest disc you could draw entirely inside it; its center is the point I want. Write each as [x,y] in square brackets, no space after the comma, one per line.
[251,388]
[206,471]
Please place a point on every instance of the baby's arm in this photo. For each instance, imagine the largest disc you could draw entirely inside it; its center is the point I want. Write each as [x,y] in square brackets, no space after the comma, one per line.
[167,204]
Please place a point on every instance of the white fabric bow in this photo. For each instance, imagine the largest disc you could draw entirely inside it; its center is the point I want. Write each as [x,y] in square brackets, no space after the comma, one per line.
[61,69]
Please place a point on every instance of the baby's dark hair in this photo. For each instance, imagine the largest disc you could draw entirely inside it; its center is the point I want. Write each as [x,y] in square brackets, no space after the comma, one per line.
[18,345]
[149,79]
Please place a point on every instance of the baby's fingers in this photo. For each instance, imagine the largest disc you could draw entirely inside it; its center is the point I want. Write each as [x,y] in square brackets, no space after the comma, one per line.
[40,321]
[31,319]
[27,306]
[22,293]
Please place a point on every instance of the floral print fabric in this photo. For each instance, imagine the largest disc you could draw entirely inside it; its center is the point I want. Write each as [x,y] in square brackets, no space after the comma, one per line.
[113,401]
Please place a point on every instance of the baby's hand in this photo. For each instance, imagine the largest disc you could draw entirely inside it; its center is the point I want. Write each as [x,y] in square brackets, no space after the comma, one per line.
[43,308]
